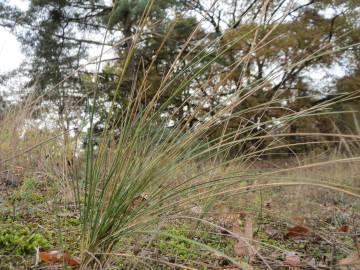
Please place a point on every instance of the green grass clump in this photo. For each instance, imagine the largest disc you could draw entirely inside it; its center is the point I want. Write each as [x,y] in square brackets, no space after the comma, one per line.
[28,192]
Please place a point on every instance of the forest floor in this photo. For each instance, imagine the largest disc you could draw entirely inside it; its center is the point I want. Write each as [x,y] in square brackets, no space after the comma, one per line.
[290,228]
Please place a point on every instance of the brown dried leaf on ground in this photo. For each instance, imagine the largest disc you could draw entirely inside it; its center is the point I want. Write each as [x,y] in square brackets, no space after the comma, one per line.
[225,216]
[292,260]
[56,256]
[352,261]
[271,231]
[221,209]
[244,246]
[344,228]
[299,220]
[297,231]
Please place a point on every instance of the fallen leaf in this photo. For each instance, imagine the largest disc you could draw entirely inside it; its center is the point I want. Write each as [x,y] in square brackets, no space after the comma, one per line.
[292,260]
[243,246]
[56,256]
[138,200]
[221,208]
[248,230]
[344,228]
[51,256]
[299,220]
[242,215]
[224,215]
[70,260]
[353,259]
[297,231]
[270,231]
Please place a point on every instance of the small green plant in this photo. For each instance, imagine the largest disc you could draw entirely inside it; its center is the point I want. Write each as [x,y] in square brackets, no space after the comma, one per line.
[27,192]
[72,221]
[174,247]
[21,239]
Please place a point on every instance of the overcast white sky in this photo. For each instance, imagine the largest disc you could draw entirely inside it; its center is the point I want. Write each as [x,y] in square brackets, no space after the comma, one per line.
[11,56]
[10,51]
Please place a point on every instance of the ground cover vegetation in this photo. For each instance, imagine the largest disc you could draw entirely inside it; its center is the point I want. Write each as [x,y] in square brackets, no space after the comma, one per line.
[181,135]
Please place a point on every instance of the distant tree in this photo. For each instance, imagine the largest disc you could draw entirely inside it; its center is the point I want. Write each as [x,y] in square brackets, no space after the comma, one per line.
[57,35]
[287,33]
[125,17]
[152,63]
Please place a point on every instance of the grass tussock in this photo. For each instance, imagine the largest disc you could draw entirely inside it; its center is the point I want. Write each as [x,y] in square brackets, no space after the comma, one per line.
[135,187]
[145,179]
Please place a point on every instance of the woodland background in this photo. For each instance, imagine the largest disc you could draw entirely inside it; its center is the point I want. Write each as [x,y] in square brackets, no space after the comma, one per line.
[181,134]
[58,36]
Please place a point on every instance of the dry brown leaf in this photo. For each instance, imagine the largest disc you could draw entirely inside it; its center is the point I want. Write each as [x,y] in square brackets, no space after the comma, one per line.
[270,231]
[224,215]
[50,256]
[344,228]
[221,208]
[248,228]
[353,259]
[292,260]
[243,247]
[297,231]
[299,220]
[71,260]
[56,256]
[138,200]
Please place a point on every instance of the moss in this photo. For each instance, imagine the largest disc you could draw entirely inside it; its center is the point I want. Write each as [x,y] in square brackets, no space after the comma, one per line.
[266,240]
[185,250]
[219,242]
[72,221]
[173,247]
[21,239]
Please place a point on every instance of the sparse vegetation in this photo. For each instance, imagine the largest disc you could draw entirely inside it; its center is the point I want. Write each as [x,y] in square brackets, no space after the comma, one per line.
[202,144]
